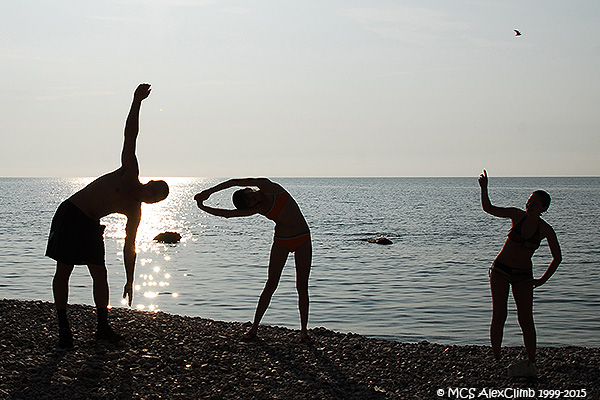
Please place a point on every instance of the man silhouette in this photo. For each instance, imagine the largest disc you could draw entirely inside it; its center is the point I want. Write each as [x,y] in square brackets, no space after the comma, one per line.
[76,236]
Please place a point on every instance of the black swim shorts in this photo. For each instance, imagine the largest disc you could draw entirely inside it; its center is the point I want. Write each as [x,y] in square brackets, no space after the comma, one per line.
[75,238]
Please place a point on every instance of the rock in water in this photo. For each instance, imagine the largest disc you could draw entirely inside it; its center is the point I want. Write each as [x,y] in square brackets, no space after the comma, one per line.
[168,237]
[380,240]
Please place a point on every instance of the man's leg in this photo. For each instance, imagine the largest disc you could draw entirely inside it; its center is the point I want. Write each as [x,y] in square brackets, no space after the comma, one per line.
[60,289]
[100,281]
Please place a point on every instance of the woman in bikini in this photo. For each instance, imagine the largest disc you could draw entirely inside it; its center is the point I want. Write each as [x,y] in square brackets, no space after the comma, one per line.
[292,235]
[513,266]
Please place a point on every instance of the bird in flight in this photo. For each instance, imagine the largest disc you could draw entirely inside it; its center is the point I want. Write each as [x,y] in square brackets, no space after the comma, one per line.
[517,33]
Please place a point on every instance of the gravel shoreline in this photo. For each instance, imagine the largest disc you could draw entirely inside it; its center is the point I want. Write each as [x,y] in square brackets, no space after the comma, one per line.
[177,357]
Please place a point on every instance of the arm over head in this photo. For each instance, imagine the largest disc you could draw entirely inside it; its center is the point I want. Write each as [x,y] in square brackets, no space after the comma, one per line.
[128,157]
[263,184]
[488,207]
[227,213]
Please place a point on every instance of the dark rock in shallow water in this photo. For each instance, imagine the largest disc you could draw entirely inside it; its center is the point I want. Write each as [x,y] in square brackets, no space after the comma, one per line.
[168,237]
[380,240]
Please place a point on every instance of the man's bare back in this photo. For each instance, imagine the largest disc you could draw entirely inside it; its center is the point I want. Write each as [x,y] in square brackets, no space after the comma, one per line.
[115,192]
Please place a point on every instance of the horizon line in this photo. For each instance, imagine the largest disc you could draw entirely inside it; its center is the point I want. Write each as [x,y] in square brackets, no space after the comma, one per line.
[312,177]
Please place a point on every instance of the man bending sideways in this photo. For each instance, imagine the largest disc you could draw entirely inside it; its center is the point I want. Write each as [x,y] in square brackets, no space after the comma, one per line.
[76,236]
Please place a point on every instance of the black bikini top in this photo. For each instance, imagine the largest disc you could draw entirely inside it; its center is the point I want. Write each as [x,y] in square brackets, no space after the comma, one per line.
[531,243]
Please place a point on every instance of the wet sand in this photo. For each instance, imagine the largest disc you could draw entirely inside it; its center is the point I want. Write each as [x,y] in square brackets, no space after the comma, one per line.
[176,357]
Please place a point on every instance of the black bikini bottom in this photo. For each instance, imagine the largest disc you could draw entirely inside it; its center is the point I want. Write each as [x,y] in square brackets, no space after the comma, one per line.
[512,275]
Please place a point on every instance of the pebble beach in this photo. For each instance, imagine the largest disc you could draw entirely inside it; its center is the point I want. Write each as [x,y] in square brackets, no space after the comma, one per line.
[177,357]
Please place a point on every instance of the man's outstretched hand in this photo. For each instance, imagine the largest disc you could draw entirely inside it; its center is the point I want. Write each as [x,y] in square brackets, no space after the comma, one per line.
[128,292]
[142,91]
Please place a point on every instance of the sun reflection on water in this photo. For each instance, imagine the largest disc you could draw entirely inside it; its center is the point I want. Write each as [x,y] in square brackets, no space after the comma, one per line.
[154,267]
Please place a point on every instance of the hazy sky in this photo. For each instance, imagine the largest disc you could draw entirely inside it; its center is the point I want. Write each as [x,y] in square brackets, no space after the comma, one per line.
[304,88]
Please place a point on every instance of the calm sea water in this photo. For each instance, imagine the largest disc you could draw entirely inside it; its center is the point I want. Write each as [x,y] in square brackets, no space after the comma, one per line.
[431,284]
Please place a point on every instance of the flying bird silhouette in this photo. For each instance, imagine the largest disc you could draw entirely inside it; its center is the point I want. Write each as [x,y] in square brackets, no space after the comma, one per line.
[517,33]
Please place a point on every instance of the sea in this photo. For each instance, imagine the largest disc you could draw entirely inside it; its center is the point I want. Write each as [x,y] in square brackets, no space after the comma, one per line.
[430,284]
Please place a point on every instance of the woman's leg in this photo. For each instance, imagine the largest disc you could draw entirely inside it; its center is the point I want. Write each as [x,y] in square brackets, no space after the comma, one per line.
[500,287]
[277,259]
[523,295]
[303,259]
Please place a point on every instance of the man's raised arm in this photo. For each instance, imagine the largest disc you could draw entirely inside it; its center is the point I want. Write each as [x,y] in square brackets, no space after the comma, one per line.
[132,126]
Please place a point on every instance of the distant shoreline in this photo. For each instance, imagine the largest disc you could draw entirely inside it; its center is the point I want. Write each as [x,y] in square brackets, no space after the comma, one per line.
[190,357]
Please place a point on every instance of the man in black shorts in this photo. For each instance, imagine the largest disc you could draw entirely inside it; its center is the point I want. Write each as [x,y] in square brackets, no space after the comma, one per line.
[76,236]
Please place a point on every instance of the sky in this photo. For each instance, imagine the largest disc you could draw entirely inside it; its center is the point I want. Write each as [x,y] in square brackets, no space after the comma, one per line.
[305,88]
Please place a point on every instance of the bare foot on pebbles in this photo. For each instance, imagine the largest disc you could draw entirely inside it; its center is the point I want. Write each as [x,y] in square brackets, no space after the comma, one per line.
[65,339]
[305,338]
[249,336]
[108,335]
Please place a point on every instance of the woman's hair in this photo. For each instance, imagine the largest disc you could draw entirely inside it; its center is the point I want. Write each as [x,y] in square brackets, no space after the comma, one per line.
[239,199]
[544,197]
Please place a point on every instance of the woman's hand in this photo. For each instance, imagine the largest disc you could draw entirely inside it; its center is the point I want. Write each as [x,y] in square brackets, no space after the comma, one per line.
[201,197]
[483,179]
[537,283]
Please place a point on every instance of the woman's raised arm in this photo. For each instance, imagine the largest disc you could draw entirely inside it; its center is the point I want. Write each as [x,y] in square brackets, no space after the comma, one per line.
[488,207]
